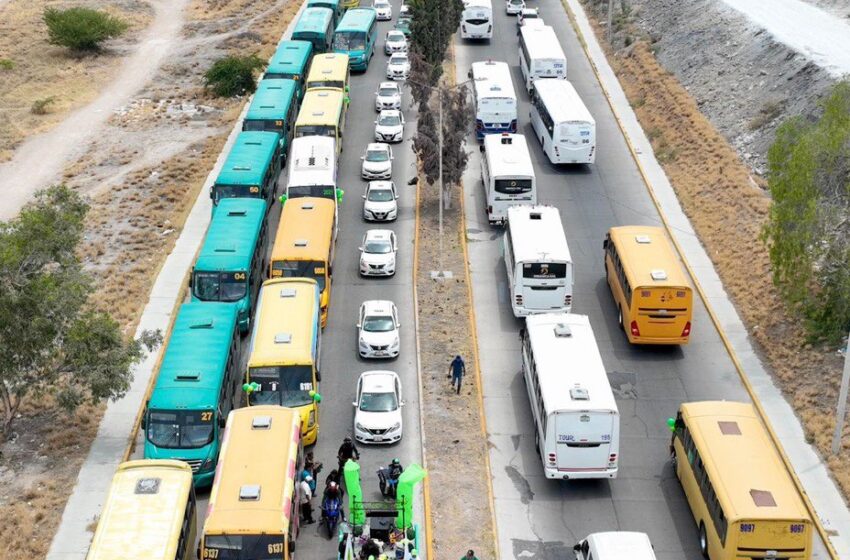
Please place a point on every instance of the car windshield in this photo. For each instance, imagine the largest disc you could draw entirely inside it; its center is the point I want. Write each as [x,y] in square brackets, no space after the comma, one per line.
[382,5]
[389,120]
[378,402]
[378,247]
[284,386]
[378,323]
[380,195]
[180,429]
[395,36]
[396,59]
[387,92]
[219,286]
[377,155]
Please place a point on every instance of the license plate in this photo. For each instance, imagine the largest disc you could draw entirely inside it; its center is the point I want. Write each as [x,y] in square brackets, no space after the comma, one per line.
[380,353]
[379,438]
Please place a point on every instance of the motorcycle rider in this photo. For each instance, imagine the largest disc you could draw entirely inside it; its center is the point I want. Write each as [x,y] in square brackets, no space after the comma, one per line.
[394,470]
[332,492]
[347,451]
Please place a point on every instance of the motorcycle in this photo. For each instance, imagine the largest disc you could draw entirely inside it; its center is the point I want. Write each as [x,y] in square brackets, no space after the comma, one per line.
[388,485]
[331,515]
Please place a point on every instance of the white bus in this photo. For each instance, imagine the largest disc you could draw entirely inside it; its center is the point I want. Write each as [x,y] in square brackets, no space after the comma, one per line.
[312,168]
[563,124]
[476,21]
[537,260]
[540,55]
[576,421]
[495,99]
[508,175]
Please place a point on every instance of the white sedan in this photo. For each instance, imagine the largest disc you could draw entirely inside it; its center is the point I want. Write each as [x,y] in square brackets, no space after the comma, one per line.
[514,7]
[388,96]
[390,126]
[383,10]
[377,330]
[377,253]
[526,15]
[377,162]
[377,408]
[380,202]
[395,42]
[398,67]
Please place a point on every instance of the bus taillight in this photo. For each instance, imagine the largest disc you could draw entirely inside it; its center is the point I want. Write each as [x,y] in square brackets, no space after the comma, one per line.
[687,330]
[479,124]
[612,459]
[568,300]
[552,459]
[513,125]
[635,329]
[518,299]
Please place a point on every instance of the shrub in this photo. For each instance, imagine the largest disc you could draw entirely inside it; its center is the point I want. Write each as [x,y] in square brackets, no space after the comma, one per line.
[40,106]
[6,64]
[82,29]
[233,75]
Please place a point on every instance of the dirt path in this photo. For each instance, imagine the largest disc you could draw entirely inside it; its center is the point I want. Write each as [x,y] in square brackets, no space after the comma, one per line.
[41,159]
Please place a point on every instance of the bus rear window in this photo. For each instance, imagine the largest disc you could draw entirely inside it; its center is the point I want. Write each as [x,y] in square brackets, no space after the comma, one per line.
[544,271]
[235,191]
[315,130]
[315,191]
[326,84]
[513,186]
[263,125]
[243,547]
[300,269]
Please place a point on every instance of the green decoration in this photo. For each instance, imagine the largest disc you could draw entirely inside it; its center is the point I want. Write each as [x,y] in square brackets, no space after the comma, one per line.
[411,476]
[282,199]
[339,194]
[351,472]
[671,423]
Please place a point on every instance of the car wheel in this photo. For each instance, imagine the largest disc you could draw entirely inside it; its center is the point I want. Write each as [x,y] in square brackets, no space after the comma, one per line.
[703,540]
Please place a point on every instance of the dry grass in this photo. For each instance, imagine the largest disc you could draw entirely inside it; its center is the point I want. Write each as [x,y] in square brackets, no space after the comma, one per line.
[37,70]
[728,208]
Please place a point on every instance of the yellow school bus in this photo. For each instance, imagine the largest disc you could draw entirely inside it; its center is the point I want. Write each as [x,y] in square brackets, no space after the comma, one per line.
[322,113]
[743,500]
[284,350]
[304,244]
[330,70]
[149,513]
[253,509]
[651,290]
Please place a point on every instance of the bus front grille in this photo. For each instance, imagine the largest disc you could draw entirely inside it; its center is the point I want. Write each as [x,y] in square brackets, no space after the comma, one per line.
[194,463]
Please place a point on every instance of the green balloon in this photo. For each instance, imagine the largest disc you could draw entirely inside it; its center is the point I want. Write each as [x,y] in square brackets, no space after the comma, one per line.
[282,198]
[317,397]
[671,423]
[246,387]
[339,194]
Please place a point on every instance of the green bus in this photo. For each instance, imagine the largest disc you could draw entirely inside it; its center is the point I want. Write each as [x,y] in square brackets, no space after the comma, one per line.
[334,5]
[250,170]
[356,35]
[315,25]
[230,265]
[197,386]
[273,109]
[291,61]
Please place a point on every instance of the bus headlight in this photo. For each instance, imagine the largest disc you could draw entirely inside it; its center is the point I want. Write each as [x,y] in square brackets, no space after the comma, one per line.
[207,465]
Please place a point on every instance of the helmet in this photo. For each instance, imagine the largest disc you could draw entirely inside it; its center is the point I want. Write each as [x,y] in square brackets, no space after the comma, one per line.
[332,485]
[347,439]
[396,462]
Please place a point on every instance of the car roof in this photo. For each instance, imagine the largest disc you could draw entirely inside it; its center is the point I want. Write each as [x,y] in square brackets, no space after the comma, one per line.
[386,185]
[398,55]
[390,112]
[378,234]
[374,306]
[388,85]
[396,32]
[378,146]
[380,380]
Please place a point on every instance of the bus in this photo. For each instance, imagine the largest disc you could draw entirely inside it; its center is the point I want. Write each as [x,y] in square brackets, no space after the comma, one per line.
[476,20]
[197,385]
[650,288]
[743,500]
[250,170]
[253,508]
[230,265]
[507,174]
[330,70]
[540,55]
[333,5]
[312,169]
[291,61]
[285,350]
[537,261]
[565,127]
[322,114]
[495,100]
[356,35]
[304,244]
[317,26]
[576,420]
[149,514]
[348,4]
[273,109]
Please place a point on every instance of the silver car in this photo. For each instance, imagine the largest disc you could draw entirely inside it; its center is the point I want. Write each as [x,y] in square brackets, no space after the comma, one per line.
[395,42]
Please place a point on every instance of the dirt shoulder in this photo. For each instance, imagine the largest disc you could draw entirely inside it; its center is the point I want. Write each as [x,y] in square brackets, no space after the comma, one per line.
[728,208]
[142,175]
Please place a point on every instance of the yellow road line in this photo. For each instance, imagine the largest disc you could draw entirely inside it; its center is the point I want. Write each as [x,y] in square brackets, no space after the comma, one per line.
[717,325]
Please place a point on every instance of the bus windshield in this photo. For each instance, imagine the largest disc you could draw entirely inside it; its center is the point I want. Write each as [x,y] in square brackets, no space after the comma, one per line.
[338,84]
[219,286]
[235,191]
[544,271]
[244,547]
[263,125]
[283,385]
[302,269]
[315,130]
[350,41]
[180,429]
[315,191]
[513,186]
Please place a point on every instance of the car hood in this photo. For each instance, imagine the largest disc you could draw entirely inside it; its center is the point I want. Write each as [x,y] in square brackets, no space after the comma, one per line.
[399,66]
[379,338]
[380,206]
[378,420]
[374,258]
[388,129]
[389,98]
[376,165]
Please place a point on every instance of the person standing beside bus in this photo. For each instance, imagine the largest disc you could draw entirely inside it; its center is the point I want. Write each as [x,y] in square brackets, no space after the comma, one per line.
[306,503]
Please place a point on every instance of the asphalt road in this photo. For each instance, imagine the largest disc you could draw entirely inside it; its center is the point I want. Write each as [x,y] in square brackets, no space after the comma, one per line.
[341,365]
[538,518]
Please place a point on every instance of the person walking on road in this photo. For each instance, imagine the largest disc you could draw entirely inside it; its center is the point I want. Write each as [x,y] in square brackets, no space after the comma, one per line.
[306,497]
[456,372]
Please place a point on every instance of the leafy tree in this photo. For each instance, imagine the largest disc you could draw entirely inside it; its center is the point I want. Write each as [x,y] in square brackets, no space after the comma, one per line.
[808,231]
[81,29]
[52,342]
[233,75]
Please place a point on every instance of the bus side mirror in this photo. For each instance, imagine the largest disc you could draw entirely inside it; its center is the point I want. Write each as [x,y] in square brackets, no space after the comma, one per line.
[222,421]
[318,378]
[469,74]
[414,181]
[577,547]
[192,278]
[145,418]
[481,148]
[605,243]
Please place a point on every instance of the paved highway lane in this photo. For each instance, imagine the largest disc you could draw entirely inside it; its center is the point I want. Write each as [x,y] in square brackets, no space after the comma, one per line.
[538,518]
[341,364]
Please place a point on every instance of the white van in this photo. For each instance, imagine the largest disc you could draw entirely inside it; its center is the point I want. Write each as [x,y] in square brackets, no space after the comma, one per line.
[507,174]
[615,545]
[312,168]
[576,420]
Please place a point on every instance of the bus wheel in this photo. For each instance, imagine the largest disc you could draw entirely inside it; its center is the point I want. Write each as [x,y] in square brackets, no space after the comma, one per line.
[620,317]
[536,440]
[703,540]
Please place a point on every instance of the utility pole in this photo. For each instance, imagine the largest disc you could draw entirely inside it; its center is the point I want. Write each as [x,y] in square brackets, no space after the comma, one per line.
[841,412]
[610,17]
[440,158]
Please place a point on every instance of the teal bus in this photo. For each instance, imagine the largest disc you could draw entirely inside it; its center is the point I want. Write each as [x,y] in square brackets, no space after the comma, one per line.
[317,26]
[291,61]
[230,265]
[333,5]
[250,170]
[356,35]
[273,109]
[196,388]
